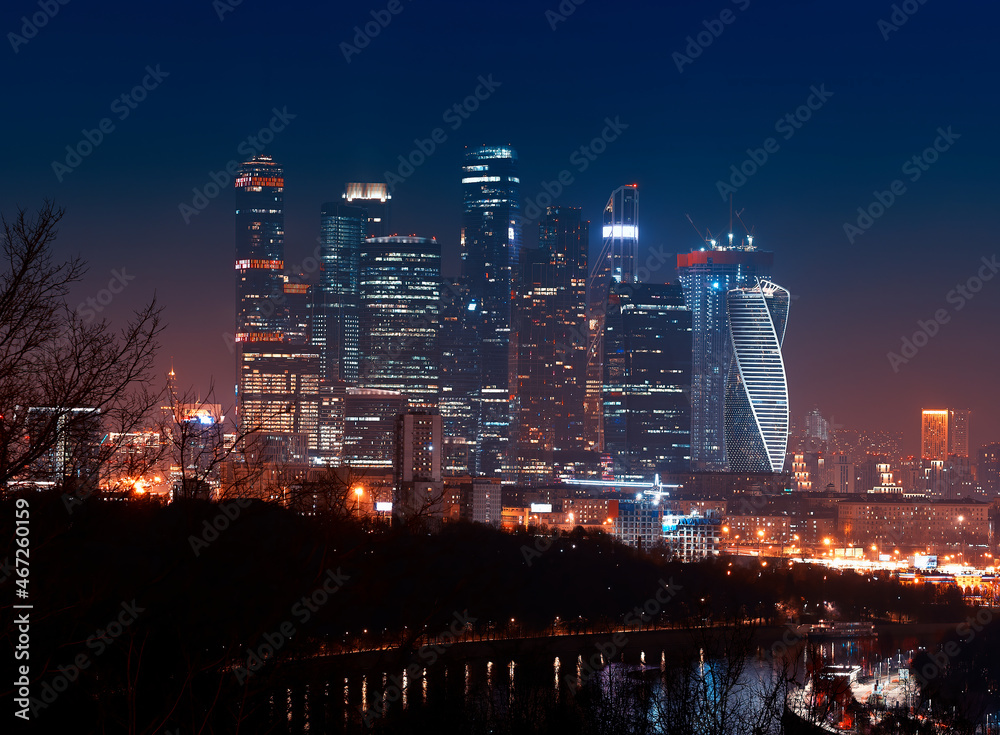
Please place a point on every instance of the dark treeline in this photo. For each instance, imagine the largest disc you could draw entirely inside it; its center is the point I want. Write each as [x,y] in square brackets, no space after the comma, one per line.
[149,617]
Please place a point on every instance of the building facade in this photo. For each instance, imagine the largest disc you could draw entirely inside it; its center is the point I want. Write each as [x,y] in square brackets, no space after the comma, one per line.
[370,427]
[279,398]
[260,250]
[400,320]
[616,263]
[552,341]
[707,275]
[375,200]
[756,427]
[335,328]
[647,378]
[490,244]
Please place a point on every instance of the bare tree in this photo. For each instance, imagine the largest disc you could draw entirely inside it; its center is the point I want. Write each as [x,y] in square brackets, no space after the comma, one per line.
[60,371]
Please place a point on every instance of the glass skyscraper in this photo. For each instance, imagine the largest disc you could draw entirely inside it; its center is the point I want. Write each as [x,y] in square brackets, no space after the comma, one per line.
[756,389]
[400,321]
[647,372]
[337,300]
[459,377]
[616,263]
[491,236]
[260,250]
[706,276]
[552,341]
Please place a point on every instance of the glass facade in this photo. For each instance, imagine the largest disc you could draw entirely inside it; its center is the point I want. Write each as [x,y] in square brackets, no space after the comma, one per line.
[280,393]
[491,235]
[260,250]
[757,390]
[552,341]
[647,374]
[706,276]
[400,322]
[616,263]
[335,329]
[459,377]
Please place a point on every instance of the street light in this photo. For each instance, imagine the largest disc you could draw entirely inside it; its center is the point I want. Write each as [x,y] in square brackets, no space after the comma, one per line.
[358,492]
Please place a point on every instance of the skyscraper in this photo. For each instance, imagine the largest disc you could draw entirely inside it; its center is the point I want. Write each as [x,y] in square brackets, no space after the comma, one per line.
[934,434]
[491,235]
[647,371]
[552,343]
[279,398]
[374,199]
[958,432]
[944,433]
[706,276]
[400,321]
[260,250]
[459,377]
[616,263]
[337,300]
[756,427]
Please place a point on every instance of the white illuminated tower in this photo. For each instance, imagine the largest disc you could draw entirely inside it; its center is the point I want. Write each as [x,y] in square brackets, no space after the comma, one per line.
[757,389]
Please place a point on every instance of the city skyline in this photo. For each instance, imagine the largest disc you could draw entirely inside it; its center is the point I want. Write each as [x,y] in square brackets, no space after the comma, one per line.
[846,372]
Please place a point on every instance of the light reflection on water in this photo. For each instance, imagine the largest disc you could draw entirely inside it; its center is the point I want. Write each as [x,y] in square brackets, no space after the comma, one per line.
[315,707]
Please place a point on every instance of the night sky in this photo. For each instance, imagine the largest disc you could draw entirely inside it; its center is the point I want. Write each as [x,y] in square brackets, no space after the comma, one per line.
[882,102]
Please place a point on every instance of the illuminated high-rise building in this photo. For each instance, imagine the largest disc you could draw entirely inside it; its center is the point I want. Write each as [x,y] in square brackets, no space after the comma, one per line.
[944,433]
[958,432]
[370,427]
[616,263]
[260,250]
[707,275]
[459,377]
[279,398]
[756,405]
[647,372]
[934,434]
[297,310]
[490,241]
[335,330]
[552,341]
[374,199]
[400,320]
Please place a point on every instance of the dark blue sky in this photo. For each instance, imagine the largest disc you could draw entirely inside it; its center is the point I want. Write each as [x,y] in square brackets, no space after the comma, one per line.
[855,300]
